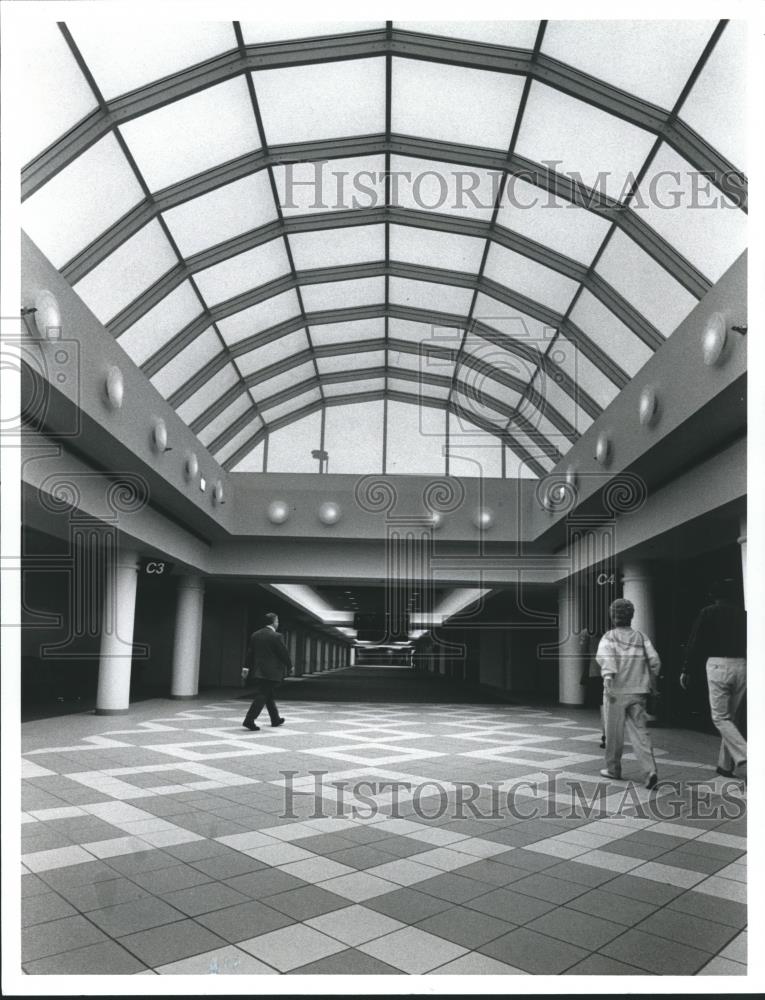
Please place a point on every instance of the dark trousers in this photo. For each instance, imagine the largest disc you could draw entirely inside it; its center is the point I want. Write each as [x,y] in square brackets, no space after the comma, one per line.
[264,695]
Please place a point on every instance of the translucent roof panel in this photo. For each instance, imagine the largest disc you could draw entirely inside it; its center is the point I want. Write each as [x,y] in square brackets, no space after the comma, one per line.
[488,356]
[286,380]
[420,390]
[262,316]
[430,295]
[253,460]
[434,248]
[55,94]
[133,267]
[416,439]
[279,410]
[346,362]
[343,294]
[554,222]
[610,334]
[516,467]
[353,386]
[526,442]
[193,134]
[160,324]
[473,452]
[279,349]
[225,419]
[644,283]
[331,185]
[651,59]
[81,201]
[479,406]
[691,214]
[454,103]
[422,333]
[511,322]
[187,363]
[221,214]
[713,106]
[258,32]
[322,101]
[404,359]
[289,448]
[360,451]
[340,333]
[445,188]
[243,272]
[534,280]
[604,150]
[553,396]
[332,248]
[208,393]
[572,361]
[484,387]
[240,438]
[519,34]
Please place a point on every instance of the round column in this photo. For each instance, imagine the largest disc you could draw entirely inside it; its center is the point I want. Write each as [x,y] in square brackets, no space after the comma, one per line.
[742,543]
[117,620]
[637,586]
[352,657]
[188,637]
[570,690]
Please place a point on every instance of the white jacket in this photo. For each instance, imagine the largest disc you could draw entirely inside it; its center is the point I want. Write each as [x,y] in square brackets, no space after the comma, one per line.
[629,659]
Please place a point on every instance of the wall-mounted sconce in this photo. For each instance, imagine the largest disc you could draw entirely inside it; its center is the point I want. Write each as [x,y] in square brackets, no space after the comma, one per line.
[648,409]
[202,483]
[278,512]
[217,493]
[47,315]
[483,519]
[190,466]
[603,449]
[714,339]
[159,436]
[329,513]
[114,388]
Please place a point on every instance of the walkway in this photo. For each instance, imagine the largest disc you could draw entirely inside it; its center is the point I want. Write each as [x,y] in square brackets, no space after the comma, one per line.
[161,841]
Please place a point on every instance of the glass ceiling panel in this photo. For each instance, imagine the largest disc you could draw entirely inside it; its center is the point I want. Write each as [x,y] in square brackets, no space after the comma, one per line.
[519,34]
[353,386]
[55,94]
[288,379]
[156,327]
[221,214]
[535,213]
[262,316]
[225,419]
[433,248]
[430,295]
[422,333]
[488,354]
[110,48]
[290,447]
[360,451]
[543,424]
[454,103]
[420,389]
[511,322]
[335,247]
[523,439]
[253,460]
[583,371]
[195,405]
[130,270]
[415,439]
[276,350]
[410,362]
[255,32]
[81,201]
[691,214]
[243,272]
[193,134]
[322,101]
[559,400]
[651,59]
[346,362]
[282,409]
[530,278]
[609,333]
[445,188]
[340,333]
[715,105]
[343,294]
[187,363]
[473,452]
[516,467]
[479,407]
[328,186]
[236,442]
[606,151]
[483,386]
[644,283]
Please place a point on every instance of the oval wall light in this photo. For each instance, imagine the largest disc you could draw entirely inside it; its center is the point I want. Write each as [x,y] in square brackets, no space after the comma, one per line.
[329,513]
[159,436]
[648,409]
[603,449]
[483,519]
[217,493]
[114,388]
[714,339]
[278,512]
[190,466]
[47,315]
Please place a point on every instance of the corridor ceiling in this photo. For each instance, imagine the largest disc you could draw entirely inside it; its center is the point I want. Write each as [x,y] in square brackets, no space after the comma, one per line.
[488,236]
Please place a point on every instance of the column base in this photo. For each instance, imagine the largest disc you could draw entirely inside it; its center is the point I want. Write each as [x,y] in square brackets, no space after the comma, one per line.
[183,697]
[572,704]
[112,711]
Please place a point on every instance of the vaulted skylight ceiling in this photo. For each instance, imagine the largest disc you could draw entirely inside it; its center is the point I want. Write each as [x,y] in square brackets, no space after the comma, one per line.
[447,237]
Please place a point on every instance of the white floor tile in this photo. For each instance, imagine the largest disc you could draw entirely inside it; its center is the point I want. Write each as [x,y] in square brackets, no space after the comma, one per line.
[445,859]
[475,964]
[404,871]
[412,950]
[279,854]
[117,846]
[61,857]
[609,861]
[360,886]
[317,869]
[355,925]
[291,947]
[656,872]
[230,961]
[723,888]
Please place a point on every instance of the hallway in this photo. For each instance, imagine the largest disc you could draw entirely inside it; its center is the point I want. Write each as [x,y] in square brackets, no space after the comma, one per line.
[389,827]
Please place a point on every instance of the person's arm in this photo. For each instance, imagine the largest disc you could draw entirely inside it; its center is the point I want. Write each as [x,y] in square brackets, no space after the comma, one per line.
[606,660]
[282,652]
[247,660]
[654,663]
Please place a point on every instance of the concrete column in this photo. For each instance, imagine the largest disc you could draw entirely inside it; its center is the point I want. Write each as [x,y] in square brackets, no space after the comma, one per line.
[188,637]
[117,619]
[637,586]
[352,657]
[570,691]
[742,543]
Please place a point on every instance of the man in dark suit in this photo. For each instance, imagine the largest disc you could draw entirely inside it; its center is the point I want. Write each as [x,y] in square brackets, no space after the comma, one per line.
[267,660]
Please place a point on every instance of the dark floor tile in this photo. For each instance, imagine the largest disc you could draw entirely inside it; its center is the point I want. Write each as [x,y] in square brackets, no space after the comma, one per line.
[402,847]
[601,965]
[108,958]
[515,907]
[724,911]
[454,887]
[693,862]
[45,907]
[643,889]
[636,849]
[325,843]
[365,834]
[195,850]
[407,905]
[347,963]
[33,885]
[171,942]
[143,861]
[577,928]
[470,928]
[302,904]
[204,898]
[688,929]
[361,856]
[57,936]
[265,882]
[719,851]
[492,873]
[533,952]
[228,865]
[245,920]
[580,874]
[611,906]
[656,954]
[71,875]
[165,880]
[136,915]
[553,890]
[43,840]
[532,861]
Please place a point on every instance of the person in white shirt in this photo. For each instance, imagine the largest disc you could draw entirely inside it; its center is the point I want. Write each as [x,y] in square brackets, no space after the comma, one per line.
[630,667]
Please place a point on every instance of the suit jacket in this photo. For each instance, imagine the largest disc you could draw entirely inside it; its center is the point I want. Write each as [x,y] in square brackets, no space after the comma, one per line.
[267,656]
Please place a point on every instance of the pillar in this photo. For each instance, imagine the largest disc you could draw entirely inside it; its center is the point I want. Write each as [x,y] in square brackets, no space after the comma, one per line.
[188,637]
[570,690]
[352,657]
[637,586]
[742,543]
[117,619]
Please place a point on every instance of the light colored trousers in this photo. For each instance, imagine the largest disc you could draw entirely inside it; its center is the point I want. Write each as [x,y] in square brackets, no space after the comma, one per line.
[628,710]
[726,677]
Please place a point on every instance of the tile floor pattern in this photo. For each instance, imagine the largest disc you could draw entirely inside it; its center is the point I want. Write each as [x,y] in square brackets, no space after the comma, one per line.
[157,843]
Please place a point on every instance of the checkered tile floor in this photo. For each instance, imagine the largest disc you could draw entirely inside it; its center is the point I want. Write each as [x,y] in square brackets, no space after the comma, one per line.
[158,843]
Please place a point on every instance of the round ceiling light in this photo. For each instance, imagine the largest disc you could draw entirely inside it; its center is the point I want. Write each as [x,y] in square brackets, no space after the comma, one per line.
[483,519]
[47,315]
[217,493]
[114,388]
[603,449]
[648,407]
[329,513]
[278,512]
[190,466]
[159,436]
[714,339]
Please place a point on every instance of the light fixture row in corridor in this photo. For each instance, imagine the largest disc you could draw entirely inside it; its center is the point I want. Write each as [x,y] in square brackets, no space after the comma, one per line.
[329,513]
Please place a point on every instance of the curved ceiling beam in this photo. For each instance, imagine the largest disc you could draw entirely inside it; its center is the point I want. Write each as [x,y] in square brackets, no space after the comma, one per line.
[405,44]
